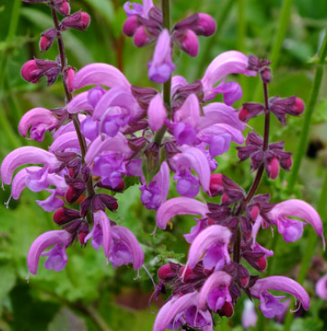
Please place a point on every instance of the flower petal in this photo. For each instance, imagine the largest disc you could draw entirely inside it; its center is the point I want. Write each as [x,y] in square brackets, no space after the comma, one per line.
[284,284]
[101,219]
[156,113]
[179,206]
[26,155]
[214,234]
[42,242]
[79,103]
[321,287]
[217,279]
[65,141]
[128,238]
[99,74]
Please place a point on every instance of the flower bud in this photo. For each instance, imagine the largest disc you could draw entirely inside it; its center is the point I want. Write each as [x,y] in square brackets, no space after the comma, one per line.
[226,310]
[79,21]
[216,185]
[206,25]
[187,275]
[109,201]
[243,115]
[272,167]
[254,212]
[72,194]
[130,26]
[69,75]
[47,39]
[141,38]
[65,215]
[298,106]
[262,263]
[265,75]
[63,7]
[30,72]
[189,43]
[286,163]
[165,273]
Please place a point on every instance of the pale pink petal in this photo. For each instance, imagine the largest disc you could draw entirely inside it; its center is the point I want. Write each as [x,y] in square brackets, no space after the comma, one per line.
[157,113]
[79,103]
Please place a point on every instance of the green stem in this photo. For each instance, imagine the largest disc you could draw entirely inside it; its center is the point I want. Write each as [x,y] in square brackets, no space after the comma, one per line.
[241,25]
[308,114]
[6,128]
[310,248]
[14,17]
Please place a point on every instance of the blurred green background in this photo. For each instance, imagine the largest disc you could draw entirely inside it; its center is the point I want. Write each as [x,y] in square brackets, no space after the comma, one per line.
[88,294]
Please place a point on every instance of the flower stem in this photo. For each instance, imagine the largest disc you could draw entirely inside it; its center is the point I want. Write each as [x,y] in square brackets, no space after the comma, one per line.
[69,97]
[257,179]
[308,113]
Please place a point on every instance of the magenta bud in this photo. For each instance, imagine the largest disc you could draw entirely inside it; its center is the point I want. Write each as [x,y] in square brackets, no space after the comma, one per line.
[298,106]
[78,21]
[165,273]
[65,215]
[265,75]
[261,263]
[254,212]
[190,43]
[206,25]
[286,163]
[272,167]
[244,115]
[187,275]
[140,37]
[62,7]
[226,310]
[216,185]
[47,39]
[69,75]
[30,72]
[130,26]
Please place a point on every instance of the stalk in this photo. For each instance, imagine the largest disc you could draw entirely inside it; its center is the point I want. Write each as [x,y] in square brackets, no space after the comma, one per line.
[257,179]
[69,97]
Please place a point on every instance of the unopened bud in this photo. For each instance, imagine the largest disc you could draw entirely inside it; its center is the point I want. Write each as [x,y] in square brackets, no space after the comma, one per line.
[265,74]
[78,21]
[73,194]
[63,7]
[165,273]
[130,26]
[47,39]
[69,75]
[65,215]
[141,38]
[189,43]
[187,275]
[30,72]
[243,115]
[272,167]
[286,163]
[254,212]
[262,263]
[206,25]
[216,185]
[109,201]
[226,310]
[298,106]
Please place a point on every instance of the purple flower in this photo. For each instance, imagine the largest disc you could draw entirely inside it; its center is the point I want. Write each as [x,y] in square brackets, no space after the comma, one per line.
[101,232]
[321,287]
[214,292]
[79,103]
[40,120]
[180,311]
[134,8]
[52,202]
[211,244]
[161,66]
[194,158]
[249,315]
[231,62]
[195,230]
[100,74]
[27,155]
[179,206]
[186,121]
[231,92]
[57,258]
[125,248]
[154,194]
[156,113]
[270,305]
[290,229]
[67,141]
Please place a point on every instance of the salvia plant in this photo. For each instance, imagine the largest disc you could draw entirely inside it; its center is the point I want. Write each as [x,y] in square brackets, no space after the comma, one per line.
[114,130]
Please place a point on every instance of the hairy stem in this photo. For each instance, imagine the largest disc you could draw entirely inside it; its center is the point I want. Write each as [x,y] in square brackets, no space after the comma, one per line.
[257,179]
[69,97]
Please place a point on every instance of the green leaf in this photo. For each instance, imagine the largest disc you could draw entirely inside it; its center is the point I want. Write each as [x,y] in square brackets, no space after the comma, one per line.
[305,324]
[7,282]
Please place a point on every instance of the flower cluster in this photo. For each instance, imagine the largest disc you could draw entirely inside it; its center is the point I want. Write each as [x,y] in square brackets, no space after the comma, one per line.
[114,130]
